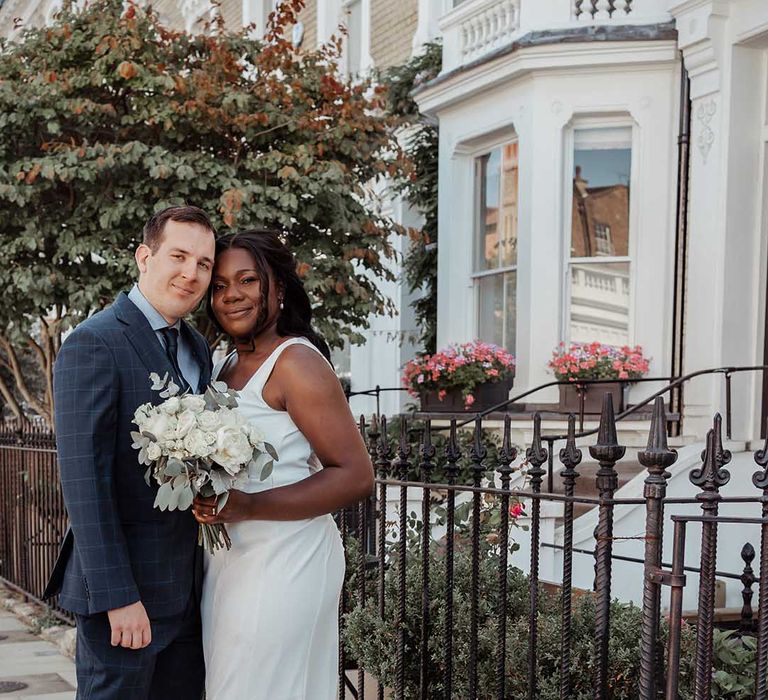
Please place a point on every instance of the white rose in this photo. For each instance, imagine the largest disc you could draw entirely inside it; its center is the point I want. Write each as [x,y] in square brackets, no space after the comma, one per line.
[153,451]
[170,406]
[193,402]
[232,449]
[199,444]
[230,418]
[208,421]
[186,421]
[158,424]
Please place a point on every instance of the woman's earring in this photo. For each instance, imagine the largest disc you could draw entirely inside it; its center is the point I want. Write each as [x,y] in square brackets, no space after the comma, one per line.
[281,304]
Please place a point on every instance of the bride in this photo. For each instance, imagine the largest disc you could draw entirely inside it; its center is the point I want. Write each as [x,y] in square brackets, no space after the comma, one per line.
[270,603]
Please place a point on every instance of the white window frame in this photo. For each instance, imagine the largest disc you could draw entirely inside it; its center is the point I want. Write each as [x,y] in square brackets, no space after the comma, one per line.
[479,151]
[366,62]
[606,122]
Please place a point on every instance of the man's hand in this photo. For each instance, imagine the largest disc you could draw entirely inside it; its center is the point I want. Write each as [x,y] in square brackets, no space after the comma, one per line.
[130,626]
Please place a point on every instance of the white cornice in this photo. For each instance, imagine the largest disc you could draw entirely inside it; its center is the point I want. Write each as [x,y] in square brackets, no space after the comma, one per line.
[701,30]
[627,55]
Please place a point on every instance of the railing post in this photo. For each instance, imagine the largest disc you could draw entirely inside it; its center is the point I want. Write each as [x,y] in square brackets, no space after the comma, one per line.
[507,455]
[536,456]
[570,457]
[383,461]
[402,467]
[478,454]
[427,454]
[607,452]
[709,478]
[760,480]
[656,458]
[452,456]
[677,582]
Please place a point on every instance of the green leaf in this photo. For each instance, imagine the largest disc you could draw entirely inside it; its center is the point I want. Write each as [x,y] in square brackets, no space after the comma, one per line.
[271,450]
[266,470]
[164,495]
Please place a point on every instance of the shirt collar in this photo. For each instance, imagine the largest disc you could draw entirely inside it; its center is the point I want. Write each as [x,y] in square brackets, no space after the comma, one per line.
[155,318]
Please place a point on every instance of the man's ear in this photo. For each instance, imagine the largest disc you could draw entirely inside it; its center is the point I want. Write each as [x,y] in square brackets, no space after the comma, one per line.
[141,255]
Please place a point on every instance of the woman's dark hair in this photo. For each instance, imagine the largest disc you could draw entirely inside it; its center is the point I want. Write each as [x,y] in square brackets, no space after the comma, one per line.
[273,259]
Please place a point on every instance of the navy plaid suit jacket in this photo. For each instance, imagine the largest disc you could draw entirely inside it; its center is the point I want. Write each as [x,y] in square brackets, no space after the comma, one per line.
[119,549]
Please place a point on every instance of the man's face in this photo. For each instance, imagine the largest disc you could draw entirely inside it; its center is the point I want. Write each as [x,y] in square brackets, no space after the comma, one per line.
[175,278]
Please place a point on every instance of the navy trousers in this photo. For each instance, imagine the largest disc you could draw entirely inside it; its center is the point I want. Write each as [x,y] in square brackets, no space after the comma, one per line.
[171,667]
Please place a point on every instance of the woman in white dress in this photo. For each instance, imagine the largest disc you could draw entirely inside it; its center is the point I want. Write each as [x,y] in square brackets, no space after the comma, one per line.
[270,603]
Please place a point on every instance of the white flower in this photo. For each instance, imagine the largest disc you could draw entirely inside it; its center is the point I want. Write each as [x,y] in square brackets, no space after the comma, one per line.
[142,413]
[193,402]
[233,449]
[198,443]
[208,421]
[158,424]
[170,406]
[186,421]
[230,418]
[256,435]
[153,451]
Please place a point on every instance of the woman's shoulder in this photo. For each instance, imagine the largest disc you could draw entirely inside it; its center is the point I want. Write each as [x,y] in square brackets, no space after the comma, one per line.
[299,355]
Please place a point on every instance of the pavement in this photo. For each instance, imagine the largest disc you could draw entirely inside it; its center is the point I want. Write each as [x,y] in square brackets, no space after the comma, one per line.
[31,667]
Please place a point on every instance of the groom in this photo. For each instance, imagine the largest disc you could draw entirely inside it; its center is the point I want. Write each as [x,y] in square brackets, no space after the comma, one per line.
[129,572]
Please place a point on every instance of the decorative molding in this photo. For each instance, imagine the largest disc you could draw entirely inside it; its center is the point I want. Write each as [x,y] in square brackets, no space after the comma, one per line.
[704,114]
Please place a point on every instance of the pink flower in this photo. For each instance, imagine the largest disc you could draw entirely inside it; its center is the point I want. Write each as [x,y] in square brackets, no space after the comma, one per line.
[469,400]
[441,394]
[516,510]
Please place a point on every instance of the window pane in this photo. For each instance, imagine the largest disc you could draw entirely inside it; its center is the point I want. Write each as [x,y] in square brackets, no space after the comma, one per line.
[599,303]
[497,309]
[497,187]
[600,212]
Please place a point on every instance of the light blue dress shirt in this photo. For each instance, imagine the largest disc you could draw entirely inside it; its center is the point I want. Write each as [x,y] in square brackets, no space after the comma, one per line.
[187,363]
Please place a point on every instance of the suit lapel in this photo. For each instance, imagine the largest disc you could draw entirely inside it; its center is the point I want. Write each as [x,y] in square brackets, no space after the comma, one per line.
[141,336]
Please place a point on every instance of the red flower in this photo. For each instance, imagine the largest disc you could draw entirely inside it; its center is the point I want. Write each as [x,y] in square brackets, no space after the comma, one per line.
[516,510]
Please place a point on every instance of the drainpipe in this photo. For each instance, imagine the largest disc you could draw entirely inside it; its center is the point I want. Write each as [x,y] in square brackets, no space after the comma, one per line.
[681,244]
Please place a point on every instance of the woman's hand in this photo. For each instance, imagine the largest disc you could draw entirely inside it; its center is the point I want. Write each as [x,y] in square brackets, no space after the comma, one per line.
[237,508]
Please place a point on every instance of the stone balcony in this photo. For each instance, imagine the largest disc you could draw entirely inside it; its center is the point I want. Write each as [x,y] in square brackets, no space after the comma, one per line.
[475,29]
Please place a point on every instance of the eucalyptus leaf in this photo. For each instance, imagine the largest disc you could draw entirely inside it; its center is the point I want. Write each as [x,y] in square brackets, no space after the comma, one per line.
[267,470]
[222,501]
[174,467]
[164,494]
[173,501]
[272,451]
[186,496]
[147,475]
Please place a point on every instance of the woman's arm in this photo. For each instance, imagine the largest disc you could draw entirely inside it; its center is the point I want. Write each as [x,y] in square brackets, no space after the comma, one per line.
[304,383]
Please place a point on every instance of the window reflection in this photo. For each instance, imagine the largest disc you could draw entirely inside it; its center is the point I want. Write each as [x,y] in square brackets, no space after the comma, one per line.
[600,290]
[496,176]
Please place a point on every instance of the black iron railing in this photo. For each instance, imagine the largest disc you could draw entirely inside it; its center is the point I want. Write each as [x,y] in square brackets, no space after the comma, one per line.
[418,659]
[432,607]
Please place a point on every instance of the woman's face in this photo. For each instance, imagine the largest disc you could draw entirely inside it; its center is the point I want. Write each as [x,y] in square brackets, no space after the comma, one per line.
[236,295]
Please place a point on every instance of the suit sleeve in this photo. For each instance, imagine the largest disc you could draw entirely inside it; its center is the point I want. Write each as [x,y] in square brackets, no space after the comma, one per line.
[86,386]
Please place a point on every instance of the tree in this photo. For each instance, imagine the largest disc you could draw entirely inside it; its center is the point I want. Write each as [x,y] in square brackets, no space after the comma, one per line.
[107,116]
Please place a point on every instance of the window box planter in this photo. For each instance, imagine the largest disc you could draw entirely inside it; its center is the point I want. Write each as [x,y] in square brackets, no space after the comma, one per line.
[570,401]
[486,396]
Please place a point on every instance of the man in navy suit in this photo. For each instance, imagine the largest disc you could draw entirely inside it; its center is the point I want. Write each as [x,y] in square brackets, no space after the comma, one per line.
[129,572]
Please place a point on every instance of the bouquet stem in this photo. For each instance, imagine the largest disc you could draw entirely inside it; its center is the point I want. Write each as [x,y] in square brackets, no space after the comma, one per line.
[214,537]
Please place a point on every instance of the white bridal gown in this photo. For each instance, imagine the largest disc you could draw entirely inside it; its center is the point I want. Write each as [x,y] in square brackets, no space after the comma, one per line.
[270,604]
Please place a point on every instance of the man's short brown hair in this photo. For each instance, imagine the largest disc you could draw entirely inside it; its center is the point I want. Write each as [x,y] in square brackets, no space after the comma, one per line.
[153,229]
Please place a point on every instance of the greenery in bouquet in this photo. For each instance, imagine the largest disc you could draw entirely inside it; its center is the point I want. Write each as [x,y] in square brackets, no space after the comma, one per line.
[598,361]
[458,367]
[198,445]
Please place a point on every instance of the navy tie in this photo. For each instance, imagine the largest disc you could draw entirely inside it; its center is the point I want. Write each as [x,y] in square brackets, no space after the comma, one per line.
[170,335]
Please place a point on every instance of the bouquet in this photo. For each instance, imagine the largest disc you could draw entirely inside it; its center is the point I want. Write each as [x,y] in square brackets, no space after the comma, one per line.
[198,445]
[458,367]
[598,361]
